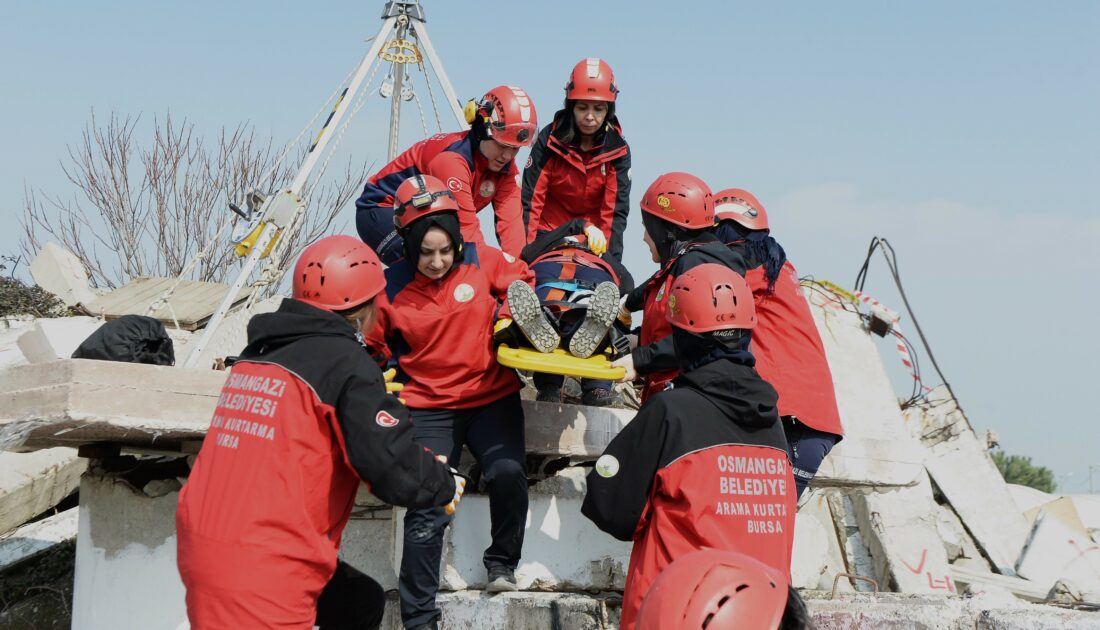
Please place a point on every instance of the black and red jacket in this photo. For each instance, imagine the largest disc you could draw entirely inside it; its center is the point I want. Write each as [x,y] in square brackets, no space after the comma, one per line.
[703,465]
[302,418]
[655,357]
[561,182]
[457,161]
[441,331]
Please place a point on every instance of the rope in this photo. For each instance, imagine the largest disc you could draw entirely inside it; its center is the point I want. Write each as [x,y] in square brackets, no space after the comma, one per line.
[200,255]
[431,94]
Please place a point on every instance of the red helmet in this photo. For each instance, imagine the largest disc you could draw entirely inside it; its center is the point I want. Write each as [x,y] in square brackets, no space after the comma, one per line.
[338,273]
[741,206]
[420,196]
[591,80]
[716,590]
[711,297]
[508,114]
[680,198]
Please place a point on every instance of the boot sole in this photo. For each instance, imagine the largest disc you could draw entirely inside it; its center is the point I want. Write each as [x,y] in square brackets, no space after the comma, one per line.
[602,310]
[500,585]
[527,314]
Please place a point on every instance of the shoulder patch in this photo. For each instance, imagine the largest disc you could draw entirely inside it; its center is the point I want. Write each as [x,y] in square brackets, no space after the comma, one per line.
[384,419]
[607,466]
[453,184]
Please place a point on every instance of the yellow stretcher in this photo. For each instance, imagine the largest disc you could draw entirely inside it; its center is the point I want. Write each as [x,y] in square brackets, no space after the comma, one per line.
[559,361]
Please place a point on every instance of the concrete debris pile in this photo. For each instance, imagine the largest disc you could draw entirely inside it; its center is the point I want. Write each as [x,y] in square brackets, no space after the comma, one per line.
[909,502]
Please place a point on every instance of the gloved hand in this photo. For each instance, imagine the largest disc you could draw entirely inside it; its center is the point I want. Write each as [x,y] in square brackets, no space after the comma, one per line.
[391,386]
[627,363]
[460,488]
[504,332]
[596,240]
[624,314]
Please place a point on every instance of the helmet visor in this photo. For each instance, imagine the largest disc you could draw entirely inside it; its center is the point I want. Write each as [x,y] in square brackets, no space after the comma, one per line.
[514,135]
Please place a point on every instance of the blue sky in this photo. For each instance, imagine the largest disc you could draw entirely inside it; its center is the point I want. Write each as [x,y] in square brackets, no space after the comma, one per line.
[965,133]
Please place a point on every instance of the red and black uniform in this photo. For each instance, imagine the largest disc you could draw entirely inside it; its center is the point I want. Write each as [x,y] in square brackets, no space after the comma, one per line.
[455,159]
[440,333]
[655,357]
[302,418]
[561,182]
[702,466]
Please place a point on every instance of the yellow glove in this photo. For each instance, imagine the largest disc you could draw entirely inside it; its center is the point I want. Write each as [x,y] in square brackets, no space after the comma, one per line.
[460,488]
[596,240]
[501,324]
[392,387]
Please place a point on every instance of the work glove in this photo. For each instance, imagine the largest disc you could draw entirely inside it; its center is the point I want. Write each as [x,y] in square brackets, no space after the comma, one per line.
[624,314]
[460,487]
[627,363]
[391,386]
[597,243]
[504,332]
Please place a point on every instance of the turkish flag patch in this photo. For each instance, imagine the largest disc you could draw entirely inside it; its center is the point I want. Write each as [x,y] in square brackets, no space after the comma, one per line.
[384,419]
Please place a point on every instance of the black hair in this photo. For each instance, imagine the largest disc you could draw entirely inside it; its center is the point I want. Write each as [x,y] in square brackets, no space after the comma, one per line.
[795,614]
[668,236]
[567,126]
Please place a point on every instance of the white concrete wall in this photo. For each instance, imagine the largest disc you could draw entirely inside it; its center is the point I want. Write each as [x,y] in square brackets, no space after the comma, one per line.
[126,560]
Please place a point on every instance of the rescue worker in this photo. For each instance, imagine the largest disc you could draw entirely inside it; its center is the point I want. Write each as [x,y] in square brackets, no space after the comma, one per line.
[477,165]
[302,418]
[715,590]
[438,325]
[678,214]
[788,349]
[579,168]
[704,464]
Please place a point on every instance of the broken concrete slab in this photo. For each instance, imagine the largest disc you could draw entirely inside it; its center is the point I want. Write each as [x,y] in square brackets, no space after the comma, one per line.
[60,272]
[818,556]
[78,401]
[1055,551]
[856,555]
[877,451]
[1062,509]
[899,528]
[31,483]
[965,572]
[1026,497]
[189,306]
[959,462]
[956,541]
[476,610]
[230,337]
[11,329]
[32,539]
[52,339]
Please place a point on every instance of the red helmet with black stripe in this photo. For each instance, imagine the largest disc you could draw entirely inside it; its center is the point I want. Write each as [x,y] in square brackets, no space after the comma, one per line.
[420,196]
[509,116]
[591,80]
[715,590]
[682,199]
[338,273]
[735,204]
[711,297]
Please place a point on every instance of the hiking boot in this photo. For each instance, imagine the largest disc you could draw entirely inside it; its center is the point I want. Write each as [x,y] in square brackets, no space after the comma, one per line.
[527,314]
[602,309]
[501,579]
[600,397]
[550,395]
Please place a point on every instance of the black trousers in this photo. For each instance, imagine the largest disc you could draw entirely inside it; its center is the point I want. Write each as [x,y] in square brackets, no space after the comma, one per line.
[494,434]
[807,448]
[350,601]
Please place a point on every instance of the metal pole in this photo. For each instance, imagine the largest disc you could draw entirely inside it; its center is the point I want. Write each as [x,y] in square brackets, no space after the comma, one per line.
[441,74]
[395,98]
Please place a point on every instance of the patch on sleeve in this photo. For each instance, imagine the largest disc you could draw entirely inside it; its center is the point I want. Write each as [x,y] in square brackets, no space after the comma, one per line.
[510,258]
[453,184]
[384,419]
[607,466]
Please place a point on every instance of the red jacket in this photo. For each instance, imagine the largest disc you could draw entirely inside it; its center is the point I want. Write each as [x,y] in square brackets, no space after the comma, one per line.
[303,416]
[561,182]
[789,353]
[440,331]
[702,466]
[455,159]
[655,358]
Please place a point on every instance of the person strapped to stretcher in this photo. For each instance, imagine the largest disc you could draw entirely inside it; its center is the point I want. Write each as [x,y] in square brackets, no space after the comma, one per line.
[575,304]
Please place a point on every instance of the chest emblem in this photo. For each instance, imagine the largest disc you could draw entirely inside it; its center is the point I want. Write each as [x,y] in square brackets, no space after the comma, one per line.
[464,293]
[660,293]
[487,188]
[384,419]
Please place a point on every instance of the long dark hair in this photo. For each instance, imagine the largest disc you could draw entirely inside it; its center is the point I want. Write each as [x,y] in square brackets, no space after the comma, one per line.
[566,129]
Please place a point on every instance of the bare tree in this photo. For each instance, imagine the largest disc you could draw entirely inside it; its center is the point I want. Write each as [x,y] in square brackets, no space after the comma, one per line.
[149,210]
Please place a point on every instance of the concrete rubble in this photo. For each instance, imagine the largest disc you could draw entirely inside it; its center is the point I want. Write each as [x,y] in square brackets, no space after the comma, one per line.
[32,483]
[908,500]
